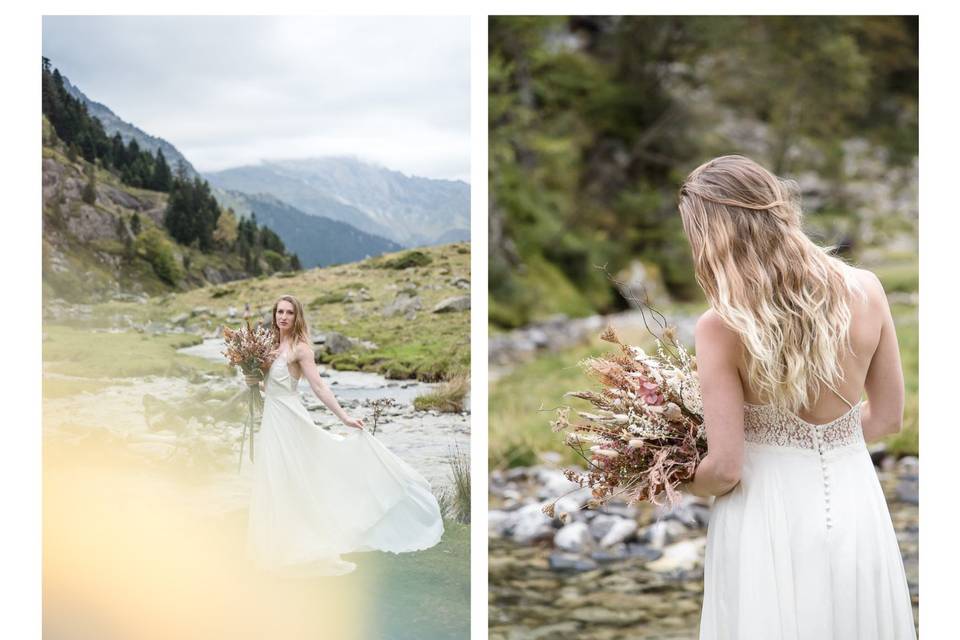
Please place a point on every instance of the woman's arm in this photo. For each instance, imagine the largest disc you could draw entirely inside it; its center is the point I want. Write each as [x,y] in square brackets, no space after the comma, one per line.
[882,414]
[718,352]
[304,357]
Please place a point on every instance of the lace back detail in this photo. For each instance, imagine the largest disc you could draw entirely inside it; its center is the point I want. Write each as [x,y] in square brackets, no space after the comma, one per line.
[766,424]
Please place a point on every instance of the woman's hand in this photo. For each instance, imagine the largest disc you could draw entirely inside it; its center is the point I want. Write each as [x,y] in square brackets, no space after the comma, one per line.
[356,423]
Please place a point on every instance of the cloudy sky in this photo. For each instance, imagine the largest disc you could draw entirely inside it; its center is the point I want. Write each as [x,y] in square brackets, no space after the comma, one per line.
[229,91]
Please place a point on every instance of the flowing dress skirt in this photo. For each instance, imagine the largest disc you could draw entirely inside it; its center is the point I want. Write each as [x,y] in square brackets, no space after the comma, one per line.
[803,547]
[317,495]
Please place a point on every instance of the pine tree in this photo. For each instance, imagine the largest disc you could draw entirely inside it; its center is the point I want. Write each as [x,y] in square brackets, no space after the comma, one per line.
[135,223]
[162,177]
[118,152]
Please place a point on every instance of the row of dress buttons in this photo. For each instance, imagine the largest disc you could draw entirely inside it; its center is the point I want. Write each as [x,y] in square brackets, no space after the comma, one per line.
[826,479]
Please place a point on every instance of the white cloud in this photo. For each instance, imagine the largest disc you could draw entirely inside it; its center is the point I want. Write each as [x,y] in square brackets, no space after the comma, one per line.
[228,91]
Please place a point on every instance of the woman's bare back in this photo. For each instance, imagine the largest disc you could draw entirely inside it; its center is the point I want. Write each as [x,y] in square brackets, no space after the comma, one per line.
[869,328]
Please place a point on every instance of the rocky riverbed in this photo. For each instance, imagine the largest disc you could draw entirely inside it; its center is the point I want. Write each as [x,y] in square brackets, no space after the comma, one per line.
[175,426]
[622,571]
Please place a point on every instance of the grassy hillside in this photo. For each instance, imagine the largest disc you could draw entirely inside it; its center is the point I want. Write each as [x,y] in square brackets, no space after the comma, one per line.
[90,251]
[102,237]
[348,299]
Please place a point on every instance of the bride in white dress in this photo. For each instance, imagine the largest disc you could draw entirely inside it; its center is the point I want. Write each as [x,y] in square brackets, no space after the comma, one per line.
[800,544]
[317,495]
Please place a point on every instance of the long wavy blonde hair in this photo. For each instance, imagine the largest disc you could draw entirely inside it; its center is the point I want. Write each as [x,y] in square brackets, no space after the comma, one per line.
[787,298]
[300,330]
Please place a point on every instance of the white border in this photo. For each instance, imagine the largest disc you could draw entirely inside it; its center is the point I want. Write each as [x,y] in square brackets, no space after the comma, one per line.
[20,171]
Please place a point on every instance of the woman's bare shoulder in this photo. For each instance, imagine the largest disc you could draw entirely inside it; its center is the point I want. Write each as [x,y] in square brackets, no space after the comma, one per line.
[712,328]
[870,284]
[302,350]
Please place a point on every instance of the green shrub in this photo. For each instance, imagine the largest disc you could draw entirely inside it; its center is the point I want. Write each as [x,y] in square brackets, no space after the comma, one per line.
[409,259]
[153,247]
[276,261]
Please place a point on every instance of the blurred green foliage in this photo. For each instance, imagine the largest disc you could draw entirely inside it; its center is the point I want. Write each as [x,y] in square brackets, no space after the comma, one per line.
[595,121]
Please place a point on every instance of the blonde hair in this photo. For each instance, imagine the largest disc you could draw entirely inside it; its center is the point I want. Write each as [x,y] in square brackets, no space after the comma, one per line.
[786,297]
[301,332]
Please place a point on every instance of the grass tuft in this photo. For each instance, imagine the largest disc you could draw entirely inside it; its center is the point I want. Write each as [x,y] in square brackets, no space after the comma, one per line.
[455,499]
[448,397]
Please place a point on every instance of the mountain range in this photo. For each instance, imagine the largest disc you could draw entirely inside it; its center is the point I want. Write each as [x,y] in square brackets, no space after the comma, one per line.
[409,210]
[318,241]
[307,196]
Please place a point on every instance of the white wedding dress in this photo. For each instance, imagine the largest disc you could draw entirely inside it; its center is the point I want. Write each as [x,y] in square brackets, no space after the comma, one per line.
[803,548]
[317,495]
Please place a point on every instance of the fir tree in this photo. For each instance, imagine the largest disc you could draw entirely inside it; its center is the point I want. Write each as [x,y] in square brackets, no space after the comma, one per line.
[162,177]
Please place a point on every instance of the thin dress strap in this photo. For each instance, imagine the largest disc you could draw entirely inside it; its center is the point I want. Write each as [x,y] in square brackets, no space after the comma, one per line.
[837,393]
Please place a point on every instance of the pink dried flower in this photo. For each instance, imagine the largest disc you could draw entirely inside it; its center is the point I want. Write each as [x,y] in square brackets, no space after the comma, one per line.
[645,437]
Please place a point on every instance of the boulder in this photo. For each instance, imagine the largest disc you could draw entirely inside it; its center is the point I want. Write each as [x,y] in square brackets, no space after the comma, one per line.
[452,305]
[337,343]
[404,304]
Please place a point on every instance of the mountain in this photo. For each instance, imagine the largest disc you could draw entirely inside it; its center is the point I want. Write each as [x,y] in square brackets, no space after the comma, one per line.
[112,243]
[410,210]
[112,123]
[317,241]
[254,180]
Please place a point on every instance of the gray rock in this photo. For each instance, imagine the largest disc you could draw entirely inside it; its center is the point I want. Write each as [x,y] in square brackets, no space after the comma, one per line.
[451,305]
[531,524]
[908,464]
[404,304]
[180,318]
[621,509]
[908,489]
[570,562]
[573,503]
[661,533]
[574,537]
[621,530]
[553,483]
[683,556]
[461,283]
[643,552]
[337,343]
[613,554]
[602,523]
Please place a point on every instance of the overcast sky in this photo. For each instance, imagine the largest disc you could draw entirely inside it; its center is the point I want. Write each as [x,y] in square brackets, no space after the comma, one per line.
[229,91]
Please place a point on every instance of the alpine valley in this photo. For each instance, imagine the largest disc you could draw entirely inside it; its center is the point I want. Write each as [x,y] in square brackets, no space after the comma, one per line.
[126,214]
